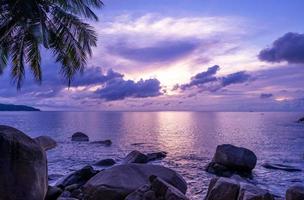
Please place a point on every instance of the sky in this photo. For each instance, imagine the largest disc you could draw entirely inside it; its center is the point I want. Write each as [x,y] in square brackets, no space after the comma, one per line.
[200,55]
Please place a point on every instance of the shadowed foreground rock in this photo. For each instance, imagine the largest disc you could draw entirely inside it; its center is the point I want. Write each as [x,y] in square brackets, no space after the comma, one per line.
[23,166]
[157,190]
[229,159]
[231,189]
[46,142]
[295,192]
[121,180]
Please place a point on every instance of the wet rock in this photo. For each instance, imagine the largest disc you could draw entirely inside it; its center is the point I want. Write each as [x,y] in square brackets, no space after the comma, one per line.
[46,142]
[229,159]
[235,189]
[119,181]
[281,167]
[135,157]
[23,166]
[103,142]
[223,189]
[53,193]
[252,192]
[106,162]
[156,156]
[79,177]
[301,120]
[295,192]
[80,137]
[158,189]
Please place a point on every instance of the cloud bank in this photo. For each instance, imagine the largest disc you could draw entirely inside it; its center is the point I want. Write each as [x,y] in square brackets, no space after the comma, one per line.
[289,47]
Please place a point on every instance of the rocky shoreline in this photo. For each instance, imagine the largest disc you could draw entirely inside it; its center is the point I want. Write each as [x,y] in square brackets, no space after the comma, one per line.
[24,174]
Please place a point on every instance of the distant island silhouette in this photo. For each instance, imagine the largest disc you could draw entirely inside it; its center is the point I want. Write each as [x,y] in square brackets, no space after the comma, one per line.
[12,107]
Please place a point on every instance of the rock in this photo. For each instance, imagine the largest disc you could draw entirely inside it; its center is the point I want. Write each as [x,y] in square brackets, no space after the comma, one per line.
[46,142]
[79,177]
[295,192]
[158,189]
[53,193]
[223,189]
[229,159]
[80,137]
[23,166]
[232,189]
[301,120]
[103,142]
[135,157]
[106,162]
[119,181]
[281,167]
[156,156]
[251,192]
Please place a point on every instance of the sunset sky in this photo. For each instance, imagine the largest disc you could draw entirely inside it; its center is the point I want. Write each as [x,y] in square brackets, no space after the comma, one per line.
[209,55]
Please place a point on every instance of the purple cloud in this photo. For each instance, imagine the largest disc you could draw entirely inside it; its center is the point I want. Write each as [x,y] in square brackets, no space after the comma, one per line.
[159,52]
[208,81]
[289,47]
[266,95]
[234,78]
[119,89]
[94,75]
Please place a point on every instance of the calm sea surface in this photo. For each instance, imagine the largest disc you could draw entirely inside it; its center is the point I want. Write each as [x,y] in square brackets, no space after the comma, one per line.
[190,138]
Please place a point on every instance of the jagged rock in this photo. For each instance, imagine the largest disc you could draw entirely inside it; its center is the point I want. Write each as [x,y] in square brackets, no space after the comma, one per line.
[135,157]
[281,167]
[79,177]
[106,162]
[119,181]
[295,192]
[23,166]
[46,142]
[80,137]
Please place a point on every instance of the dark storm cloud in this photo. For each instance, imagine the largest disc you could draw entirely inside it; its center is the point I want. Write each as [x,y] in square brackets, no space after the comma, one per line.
[207,80]
[118,89]
[266,95]
[160,52]
[289,47]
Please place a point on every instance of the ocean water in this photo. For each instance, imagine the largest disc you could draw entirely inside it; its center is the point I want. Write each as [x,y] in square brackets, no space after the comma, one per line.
[190,138]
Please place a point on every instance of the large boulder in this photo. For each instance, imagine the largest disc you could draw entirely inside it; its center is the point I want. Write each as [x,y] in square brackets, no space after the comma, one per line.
[223,189]
[252,192]
[79,177]
[46,142]
[119,181]
[235,189]
[229,159]
[135,157]
[53,193]
[295,192]
[23,166]
[80,137]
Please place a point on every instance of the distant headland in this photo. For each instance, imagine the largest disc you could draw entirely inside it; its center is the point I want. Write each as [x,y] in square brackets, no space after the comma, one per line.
[12,107]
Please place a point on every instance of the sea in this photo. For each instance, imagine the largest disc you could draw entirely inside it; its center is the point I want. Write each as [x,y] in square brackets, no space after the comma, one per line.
[189,138]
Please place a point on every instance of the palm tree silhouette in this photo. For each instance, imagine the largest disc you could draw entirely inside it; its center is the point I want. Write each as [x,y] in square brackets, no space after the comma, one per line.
[57,25]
